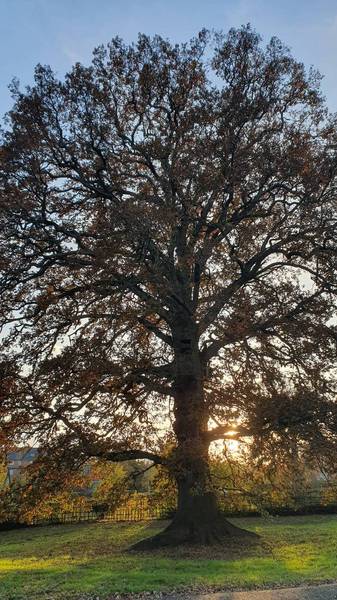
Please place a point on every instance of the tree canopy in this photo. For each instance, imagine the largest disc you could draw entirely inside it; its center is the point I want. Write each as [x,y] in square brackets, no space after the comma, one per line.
[168,253]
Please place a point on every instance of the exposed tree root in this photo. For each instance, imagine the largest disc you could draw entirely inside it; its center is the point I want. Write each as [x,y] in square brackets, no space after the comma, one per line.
[208,533]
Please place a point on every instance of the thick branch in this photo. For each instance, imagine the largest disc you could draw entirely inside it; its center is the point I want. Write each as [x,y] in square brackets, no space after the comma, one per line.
[124,455]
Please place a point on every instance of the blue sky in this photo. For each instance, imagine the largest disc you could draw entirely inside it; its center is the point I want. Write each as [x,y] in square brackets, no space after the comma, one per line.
[60,32]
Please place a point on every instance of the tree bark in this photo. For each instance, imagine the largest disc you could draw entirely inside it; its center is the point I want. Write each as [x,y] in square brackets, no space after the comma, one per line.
[198,519]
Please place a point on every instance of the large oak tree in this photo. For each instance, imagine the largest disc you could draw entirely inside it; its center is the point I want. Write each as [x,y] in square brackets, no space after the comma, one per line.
[168,253]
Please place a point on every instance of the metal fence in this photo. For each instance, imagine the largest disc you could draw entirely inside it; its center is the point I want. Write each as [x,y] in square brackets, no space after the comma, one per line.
[119,515]
[321,499]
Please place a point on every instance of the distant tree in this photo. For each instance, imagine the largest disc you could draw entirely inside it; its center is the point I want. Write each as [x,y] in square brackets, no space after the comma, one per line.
[31,497]
[244,484]
[168,253]
[111,489]
[43,492]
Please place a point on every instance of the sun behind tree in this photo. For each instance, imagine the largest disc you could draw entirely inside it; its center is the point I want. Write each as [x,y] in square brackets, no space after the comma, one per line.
[168,247]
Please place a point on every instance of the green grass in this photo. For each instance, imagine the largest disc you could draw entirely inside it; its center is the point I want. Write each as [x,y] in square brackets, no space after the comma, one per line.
[62,562]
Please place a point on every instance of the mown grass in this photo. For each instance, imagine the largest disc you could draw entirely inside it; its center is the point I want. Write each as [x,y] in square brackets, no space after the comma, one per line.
[63,562]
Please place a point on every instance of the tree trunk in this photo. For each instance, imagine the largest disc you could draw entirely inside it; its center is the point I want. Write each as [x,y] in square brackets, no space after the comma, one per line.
[198,519]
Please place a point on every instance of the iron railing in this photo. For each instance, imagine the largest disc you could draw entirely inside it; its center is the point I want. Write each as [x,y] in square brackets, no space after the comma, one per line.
[320,499]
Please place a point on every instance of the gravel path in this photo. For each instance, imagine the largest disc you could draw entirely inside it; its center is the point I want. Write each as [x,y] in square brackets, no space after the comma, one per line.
[319,592]
[326,591]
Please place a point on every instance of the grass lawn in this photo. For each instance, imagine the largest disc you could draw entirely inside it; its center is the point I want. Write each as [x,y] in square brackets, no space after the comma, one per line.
[63,562]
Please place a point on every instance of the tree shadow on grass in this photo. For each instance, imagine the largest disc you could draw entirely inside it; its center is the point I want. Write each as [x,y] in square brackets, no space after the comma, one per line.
[230,549]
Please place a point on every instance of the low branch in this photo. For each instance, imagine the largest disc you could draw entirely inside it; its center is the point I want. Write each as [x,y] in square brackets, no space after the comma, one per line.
[124,455]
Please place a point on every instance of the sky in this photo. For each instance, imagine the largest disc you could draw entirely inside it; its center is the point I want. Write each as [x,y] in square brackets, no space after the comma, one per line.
[61,32]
